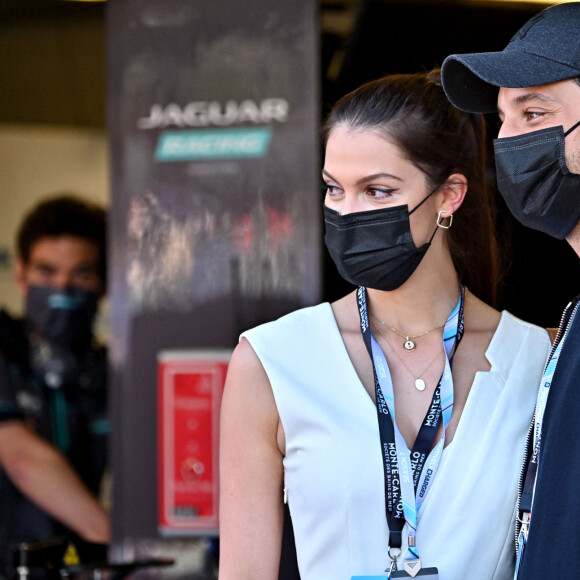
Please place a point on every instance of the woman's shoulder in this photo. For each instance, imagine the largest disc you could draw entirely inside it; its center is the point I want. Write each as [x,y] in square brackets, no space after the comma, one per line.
[294,332]
[503,337]
[518,344]
[304,316]
[512,327]
[485,319]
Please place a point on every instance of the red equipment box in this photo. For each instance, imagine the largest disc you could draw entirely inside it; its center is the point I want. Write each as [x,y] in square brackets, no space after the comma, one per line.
[190,391]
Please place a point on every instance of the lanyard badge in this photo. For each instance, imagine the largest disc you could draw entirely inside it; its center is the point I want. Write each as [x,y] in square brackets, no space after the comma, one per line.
[409,474]
[428,573]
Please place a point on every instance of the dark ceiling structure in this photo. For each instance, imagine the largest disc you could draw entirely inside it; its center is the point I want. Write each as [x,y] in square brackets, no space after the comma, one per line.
[52,62]
[53,71]
[52,52]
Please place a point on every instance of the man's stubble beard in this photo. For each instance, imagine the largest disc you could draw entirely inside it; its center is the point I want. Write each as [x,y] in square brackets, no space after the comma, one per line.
[573,159]
[573,164]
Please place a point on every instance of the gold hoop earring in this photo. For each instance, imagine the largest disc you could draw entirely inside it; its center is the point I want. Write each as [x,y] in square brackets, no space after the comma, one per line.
[440,220]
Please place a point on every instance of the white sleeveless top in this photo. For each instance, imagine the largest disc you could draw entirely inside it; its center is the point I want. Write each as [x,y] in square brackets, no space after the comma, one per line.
[333,468]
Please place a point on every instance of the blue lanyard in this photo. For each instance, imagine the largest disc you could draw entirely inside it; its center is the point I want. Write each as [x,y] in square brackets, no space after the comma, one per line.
[529,487]
[409,474]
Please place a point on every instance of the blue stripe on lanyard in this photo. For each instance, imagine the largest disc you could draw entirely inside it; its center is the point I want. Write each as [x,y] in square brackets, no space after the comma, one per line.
[409,474]
[529,487]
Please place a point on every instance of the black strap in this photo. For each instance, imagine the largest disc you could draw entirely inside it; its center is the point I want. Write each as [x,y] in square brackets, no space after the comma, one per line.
[425,438]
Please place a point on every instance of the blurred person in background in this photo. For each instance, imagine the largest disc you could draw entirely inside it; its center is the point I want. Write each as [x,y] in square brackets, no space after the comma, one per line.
[53,412]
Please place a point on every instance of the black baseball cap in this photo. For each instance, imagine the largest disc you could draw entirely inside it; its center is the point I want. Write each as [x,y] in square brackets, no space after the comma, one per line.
[545,50]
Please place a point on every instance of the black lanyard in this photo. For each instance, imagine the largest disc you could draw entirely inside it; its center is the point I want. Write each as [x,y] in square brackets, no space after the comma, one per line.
[532,468]
[425,437]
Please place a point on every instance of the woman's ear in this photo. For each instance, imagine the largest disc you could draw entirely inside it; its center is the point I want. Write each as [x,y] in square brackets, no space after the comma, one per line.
[453,190]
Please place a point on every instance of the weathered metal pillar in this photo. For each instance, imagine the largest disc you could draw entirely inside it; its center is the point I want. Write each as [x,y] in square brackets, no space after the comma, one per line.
[215,214]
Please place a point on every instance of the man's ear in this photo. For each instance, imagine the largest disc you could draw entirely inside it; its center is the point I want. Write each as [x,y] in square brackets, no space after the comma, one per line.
[20,276]
[453,190]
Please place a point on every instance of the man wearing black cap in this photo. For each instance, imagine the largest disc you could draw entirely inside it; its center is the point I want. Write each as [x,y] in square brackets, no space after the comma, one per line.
[534,85]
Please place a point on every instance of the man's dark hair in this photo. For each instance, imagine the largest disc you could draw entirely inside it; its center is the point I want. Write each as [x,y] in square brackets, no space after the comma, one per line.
[64,215]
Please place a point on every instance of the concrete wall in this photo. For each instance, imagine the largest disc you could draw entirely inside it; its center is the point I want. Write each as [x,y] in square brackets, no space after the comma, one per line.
[36,161]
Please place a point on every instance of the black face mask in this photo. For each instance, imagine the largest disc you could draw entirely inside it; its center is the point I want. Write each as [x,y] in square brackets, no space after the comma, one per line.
[374,248]
[63,316]
[535,183]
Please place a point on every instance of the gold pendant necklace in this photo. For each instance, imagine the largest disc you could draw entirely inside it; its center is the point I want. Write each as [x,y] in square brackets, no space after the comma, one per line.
[420,384]
[409,343]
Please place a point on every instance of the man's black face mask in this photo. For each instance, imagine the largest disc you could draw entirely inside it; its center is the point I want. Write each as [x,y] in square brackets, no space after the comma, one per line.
[535,183]
[61,315]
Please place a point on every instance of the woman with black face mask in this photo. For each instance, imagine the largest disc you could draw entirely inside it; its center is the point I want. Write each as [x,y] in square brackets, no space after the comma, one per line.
[392,420]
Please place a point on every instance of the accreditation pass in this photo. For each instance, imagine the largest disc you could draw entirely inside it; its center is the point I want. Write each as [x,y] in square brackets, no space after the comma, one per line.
[430,573]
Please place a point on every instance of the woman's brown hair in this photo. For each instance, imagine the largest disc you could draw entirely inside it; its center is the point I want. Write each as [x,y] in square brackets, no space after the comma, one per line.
[412,111]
